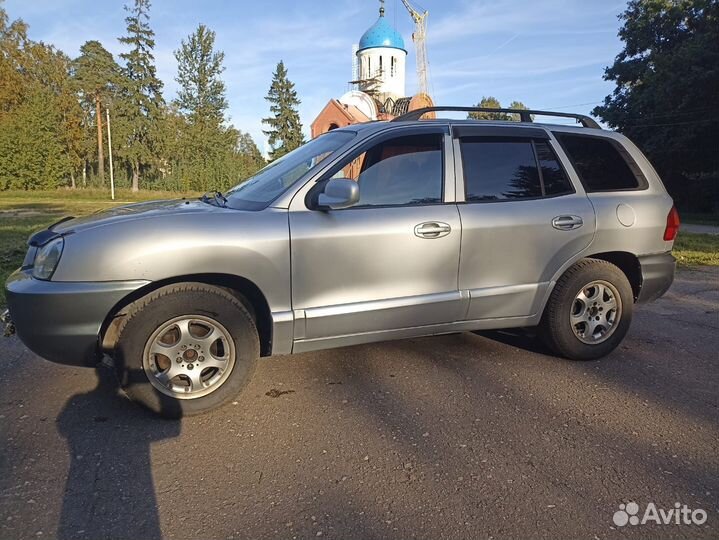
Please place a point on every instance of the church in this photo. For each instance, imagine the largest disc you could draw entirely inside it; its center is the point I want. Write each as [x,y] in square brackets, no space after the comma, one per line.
[379,81]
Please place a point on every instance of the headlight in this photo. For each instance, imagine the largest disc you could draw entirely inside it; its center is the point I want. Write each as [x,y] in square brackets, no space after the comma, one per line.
[47,258]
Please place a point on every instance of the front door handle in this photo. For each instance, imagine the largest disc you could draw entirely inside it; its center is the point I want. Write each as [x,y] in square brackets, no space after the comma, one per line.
[432,229]
[567,223]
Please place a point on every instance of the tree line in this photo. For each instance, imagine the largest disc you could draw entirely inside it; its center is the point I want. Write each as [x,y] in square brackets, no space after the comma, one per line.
[667,94]
[666,98]
[54,111]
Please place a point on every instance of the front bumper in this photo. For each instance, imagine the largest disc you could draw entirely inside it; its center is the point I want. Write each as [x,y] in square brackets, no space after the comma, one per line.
[61,321]
[657,275]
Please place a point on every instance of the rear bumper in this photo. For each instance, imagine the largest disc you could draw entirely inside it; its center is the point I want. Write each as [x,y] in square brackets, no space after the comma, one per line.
[61,321]
[657,275]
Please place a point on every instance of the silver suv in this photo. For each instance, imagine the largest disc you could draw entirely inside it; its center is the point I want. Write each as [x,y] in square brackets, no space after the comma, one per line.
[379,231]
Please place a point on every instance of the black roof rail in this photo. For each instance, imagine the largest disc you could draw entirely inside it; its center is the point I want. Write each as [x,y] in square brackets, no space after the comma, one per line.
[525,115]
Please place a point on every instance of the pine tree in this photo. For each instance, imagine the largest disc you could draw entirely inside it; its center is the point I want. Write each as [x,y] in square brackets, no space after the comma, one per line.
[199,67]
[95,73]
[285,133]
[204,147]
[142,102]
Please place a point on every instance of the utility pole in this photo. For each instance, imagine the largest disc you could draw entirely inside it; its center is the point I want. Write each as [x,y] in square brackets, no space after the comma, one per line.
[109,154]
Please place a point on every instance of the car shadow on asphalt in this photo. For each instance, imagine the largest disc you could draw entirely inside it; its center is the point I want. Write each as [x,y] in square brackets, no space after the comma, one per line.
[525,339]
[109,492]
[490,413]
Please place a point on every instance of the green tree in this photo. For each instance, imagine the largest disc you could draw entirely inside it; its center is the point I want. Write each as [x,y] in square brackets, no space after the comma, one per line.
[142,104]
[204,153]
[519,106]
[199,68]
[32,155]
[39,114]
[667,84]
[204,146]
[13,36]
[96,74]
[246,147]
[490,103]
[285,128]
[246,156]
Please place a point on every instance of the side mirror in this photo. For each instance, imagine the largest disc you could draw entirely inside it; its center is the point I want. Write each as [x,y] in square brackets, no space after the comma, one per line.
[339,193]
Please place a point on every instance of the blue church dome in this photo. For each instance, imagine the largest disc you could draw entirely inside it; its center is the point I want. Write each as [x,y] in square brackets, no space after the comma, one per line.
[381,34]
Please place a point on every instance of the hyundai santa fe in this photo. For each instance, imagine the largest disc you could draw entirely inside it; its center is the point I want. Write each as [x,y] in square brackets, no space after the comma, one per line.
[377,231]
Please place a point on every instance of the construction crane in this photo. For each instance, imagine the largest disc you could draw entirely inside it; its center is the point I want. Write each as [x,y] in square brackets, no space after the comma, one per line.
[420,46]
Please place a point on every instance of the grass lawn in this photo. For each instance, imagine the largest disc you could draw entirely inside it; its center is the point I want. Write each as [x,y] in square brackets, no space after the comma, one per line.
[696,249]
[23,212]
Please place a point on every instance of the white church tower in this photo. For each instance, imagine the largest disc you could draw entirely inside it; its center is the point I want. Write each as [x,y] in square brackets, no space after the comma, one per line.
[381,60]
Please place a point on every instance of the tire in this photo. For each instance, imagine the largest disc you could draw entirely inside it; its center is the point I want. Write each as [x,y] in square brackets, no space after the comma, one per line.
[575,304]
[208,348]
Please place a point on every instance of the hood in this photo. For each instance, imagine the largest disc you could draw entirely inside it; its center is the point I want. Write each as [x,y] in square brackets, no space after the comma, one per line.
[143,210]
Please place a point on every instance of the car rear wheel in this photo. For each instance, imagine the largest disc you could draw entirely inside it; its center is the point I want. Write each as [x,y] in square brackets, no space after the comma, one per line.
[589,311]
[186,349]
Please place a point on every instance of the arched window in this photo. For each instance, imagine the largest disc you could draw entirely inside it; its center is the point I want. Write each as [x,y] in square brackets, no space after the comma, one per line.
[369,67]
[393,67]
[380,65]
[332,126]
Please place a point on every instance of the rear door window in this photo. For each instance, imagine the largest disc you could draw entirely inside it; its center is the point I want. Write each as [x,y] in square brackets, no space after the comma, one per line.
[503,168]
[496,170]
[601,164]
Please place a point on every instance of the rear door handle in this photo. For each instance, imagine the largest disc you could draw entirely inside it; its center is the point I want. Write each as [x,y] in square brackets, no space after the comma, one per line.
[432,229]
[567,223]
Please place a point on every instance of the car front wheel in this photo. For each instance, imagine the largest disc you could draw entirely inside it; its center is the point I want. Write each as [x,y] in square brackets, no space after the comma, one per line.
[589,311]
[186,349]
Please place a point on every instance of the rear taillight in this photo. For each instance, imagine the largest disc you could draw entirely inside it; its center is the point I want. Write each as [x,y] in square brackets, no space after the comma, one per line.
[670,233]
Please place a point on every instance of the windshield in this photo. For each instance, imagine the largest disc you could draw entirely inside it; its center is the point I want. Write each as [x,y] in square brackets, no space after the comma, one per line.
[258,191]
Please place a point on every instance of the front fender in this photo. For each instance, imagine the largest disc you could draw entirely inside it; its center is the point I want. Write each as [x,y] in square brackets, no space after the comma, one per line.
[253,245]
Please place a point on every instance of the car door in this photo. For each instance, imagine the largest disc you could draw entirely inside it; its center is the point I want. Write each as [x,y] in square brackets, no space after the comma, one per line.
[522,218]
[391,261]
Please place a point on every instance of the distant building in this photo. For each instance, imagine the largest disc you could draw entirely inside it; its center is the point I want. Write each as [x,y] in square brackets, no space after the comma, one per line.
[379,80]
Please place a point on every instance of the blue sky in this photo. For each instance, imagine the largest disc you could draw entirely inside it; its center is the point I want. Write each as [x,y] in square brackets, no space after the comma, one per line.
[546,53]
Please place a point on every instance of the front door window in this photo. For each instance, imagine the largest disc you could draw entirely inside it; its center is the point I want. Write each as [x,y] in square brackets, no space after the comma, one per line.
[399,172]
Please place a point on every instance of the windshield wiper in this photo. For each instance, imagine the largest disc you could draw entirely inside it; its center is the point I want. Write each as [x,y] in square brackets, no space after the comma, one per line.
[214,197]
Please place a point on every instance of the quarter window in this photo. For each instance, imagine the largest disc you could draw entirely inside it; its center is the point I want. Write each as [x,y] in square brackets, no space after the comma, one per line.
[599,163]
[554,178]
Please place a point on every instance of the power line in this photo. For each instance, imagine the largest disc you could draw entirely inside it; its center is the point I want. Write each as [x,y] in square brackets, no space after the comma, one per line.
[570,106]
[680,113]
[708,121]
[676,114]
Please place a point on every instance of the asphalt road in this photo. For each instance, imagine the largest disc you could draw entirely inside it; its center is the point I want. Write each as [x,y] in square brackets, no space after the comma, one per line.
[461,436]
